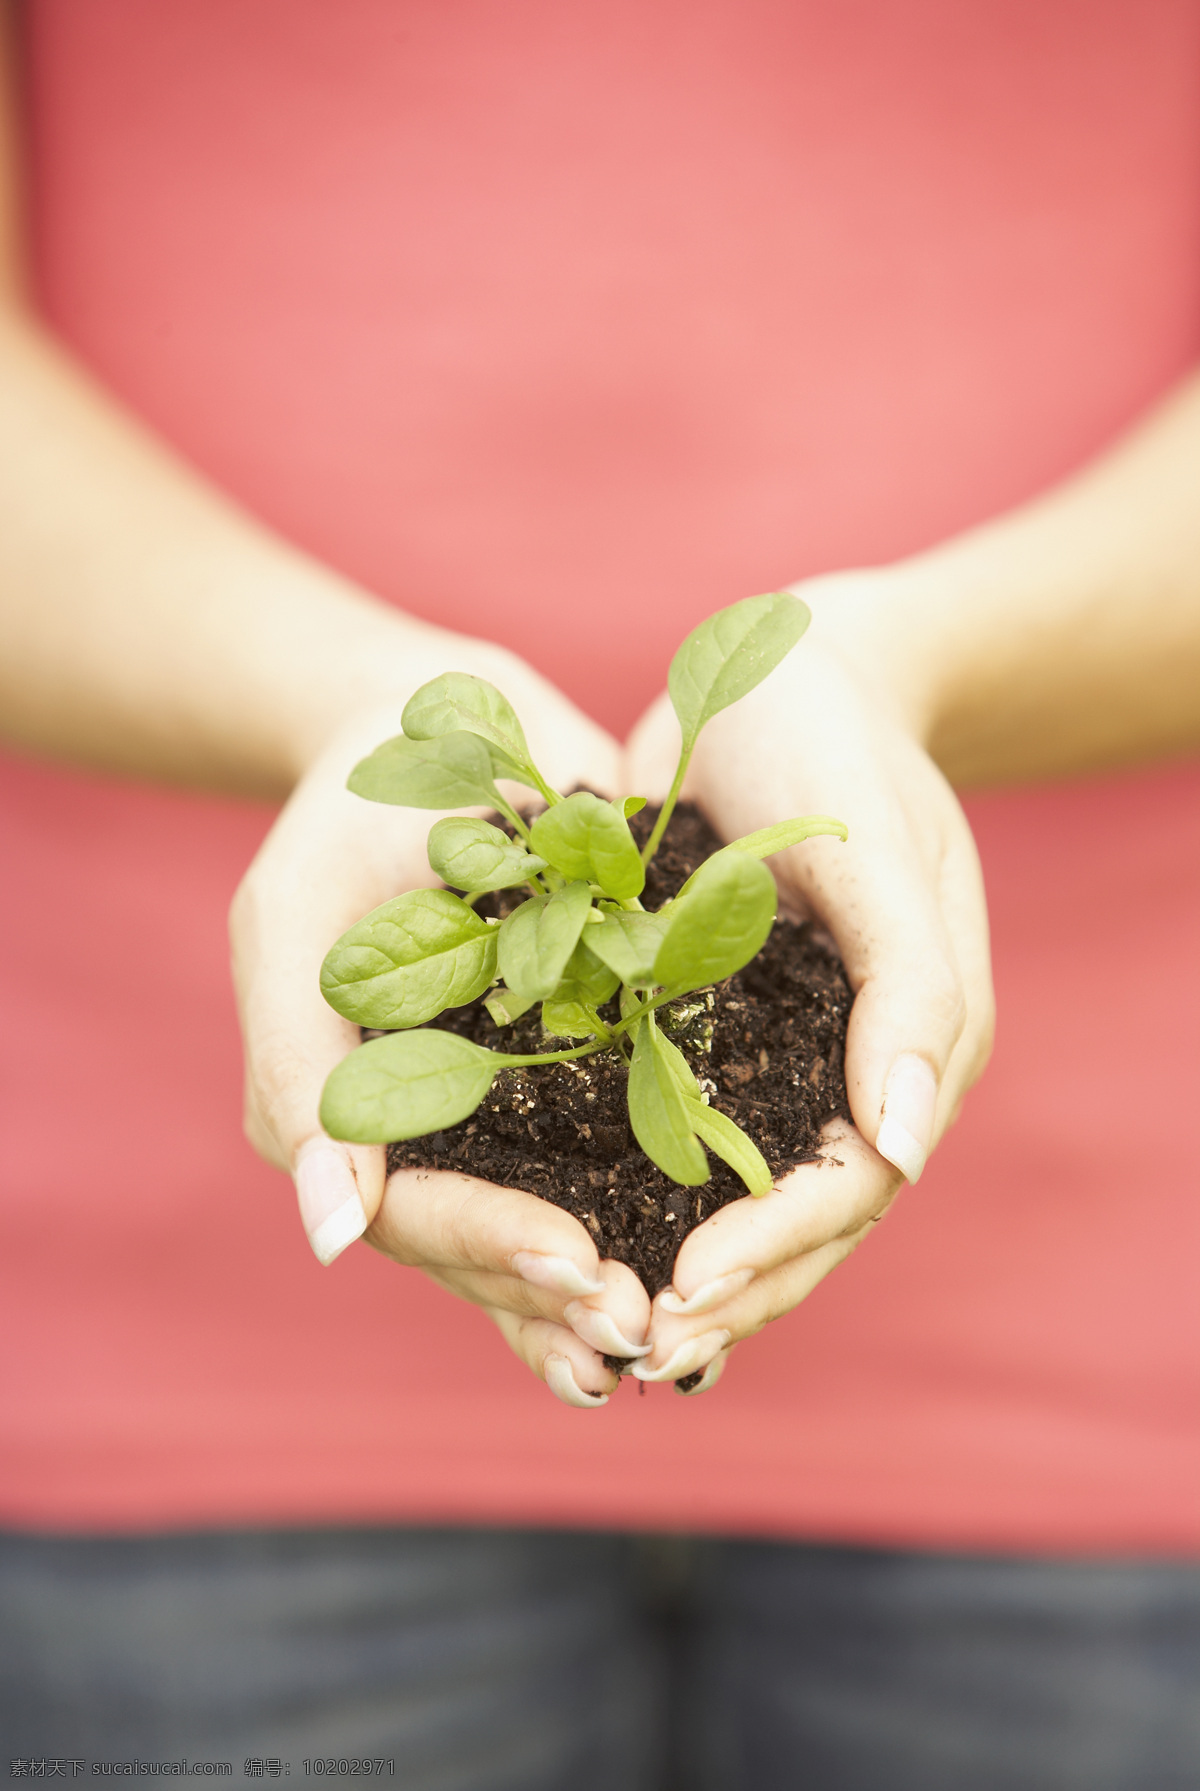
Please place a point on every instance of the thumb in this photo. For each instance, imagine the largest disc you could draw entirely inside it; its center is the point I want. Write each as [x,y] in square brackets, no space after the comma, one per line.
[339,1187]
[907,1018]
[913,938]
[652,751]
[292,1041]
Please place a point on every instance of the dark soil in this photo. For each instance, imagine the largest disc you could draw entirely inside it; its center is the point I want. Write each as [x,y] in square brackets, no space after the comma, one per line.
[767,1045]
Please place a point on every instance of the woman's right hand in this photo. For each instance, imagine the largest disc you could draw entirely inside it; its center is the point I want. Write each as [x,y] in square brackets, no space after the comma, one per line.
[328,860]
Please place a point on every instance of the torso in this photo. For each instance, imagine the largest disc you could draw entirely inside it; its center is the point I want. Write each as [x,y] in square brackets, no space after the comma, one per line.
[520,314]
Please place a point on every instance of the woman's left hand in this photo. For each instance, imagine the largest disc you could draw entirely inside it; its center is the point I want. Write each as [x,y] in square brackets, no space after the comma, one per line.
[903,900]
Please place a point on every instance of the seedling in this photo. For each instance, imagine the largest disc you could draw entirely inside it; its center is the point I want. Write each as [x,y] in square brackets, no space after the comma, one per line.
[581,943]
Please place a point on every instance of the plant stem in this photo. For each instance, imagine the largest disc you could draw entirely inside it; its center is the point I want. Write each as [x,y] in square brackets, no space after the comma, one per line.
[648,1007]
[588,1050]
[603,1032]
[614,1034]
[551,796]
[510,814]
[668,807]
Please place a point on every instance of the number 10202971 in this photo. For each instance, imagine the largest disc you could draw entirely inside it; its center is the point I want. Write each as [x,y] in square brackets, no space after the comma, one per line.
[349,1768]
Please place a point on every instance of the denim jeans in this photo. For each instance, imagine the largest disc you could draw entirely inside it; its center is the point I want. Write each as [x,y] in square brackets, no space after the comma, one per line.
[530,1661]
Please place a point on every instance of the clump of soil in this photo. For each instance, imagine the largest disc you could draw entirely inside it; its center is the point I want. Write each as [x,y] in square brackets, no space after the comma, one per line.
[767,1045]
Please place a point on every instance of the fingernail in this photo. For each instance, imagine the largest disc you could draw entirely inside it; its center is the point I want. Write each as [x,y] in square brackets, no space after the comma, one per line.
[705,1298]
[598,1329]
[330,1208]
[711,1376]
[697,1352]
[556,1273]
[560,1378]
[909,1100]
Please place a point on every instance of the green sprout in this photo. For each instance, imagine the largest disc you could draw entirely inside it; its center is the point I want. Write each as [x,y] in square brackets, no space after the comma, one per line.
[580,941]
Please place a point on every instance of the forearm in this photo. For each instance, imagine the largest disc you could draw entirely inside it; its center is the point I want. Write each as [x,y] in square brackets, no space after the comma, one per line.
[1062,638]
[146,624]
[149,626]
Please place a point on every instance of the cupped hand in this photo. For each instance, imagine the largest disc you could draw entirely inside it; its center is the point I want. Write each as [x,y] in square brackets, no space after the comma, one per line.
[829,732]
[328,860]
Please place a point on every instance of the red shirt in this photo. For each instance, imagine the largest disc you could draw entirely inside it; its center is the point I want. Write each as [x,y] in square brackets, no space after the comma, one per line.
[517,313]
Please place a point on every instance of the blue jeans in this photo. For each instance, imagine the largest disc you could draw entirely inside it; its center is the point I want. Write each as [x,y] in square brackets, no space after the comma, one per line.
[527,1661]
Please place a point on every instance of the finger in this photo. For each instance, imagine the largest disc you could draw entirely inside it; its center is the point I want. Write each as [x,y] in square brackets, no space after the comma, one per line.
[652,751]
[571,751]
[283,919]
[292,1041]
[678,1351]
[614,1323]
[883,904]
[904,902]
[708,1377]
[443,1219]
[574,1373]
[812,1206]
[683,1345]
[909,1015]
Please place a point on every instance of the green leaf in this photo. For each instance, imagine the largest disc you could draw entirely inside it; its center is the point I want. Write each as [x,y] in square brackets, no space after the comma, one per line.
[405,1086]
[586,985]
[716,1129]
[731,1144]
[568,1019]
[537,939]
[628,943]
[452,772]
[459,702]
[658,1111]
[409,960]
[727,655]
[776,839]
[722,922]
[504,1006]
[475,855]
[596,982]
[503,766]
[629,805]
[585,837]
[680,1068]
[628,1002]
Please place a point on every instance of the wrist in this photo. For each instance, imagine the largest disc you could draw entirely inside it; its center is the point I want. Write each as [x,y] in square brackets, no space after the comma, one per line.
[881,626]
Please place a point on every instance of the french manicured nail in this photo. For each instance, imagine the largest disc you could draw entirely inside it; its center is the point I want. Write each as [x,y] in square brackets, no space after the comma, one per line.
[712,1375]
[555,1273]
[598,1329]
[330,1208]
[560,1378]
[697,1352]
[909,1101]
[705,1298]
